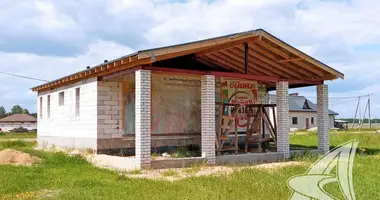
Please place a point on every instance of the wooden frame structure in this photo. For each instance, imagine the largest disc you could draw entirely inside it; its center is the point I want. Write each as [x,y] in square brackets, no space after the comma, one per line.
[255,52]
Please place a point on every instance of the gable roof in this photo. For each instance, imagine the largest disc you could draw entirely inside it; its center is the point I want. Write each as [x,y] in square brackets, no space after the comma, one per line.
[267,56]
[19,118]
[296,103]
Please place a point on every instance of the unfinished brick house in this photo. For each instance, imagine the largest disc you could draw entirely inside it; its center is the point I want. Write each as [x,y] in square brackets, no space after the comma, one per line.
[205,93]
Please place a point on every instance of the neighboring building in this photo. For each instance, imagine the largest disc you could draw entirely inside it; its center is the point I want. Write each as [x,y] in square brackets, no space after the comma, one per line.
[167,96]
[16,121]
[303,112]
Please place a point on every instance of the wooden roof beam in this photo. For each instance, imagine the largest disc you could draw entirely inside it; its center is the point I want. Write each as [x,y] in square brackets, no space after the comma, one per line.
[220,62]
[288,58]
[225,58]
[273,64]
[272,59]
[258,65]
[228,46]
[238,59]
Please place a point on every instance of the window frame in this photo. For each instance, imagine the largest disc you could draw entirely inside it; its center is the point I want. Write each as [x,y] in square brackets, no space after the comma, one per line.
[77,101]
[61,98]
[294,120]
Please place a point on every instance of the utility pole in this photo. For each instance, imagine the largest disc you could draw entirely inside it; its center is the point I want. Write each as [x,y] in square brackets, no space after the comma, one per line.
[363,118]
[369,112]
[356,112]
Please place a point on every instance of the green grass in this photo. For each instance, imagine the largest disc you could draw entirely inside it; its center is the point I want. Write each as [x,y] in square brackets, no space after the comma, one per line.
[74,178]
[17,135]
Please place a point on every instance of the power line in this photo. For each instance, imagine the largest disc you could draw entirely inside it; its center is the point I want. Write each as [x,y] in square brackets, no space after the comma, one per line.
[349,97]
[21,76]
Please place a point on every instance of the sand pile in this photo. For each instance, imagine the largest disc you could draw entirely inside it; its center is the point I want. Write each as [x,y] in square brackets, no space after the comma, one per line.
[10,156]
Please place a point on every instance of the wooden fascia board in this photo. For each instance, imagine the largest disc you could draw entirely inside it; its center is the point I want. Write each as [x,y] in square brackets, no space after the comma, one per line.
[87,75]
[302,55]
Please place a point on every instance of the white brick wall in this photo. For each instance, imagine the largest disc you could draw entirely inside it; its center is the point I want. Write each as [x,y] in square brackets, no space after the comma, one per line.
[143,118]
[208,118]
[283,118]
[323,118]
[109,109]
[63,127]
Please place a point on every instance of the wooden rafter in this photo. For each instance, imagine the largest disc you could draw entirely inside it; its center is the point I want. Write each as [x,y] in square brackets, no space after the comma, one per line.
[235,57]
[223,62]
[273,64]
[272,60]
[288,58]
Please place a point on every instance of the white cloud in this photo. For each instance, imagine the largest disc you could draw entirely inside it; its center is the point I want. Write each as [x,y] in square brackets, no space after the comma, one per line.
[49,39]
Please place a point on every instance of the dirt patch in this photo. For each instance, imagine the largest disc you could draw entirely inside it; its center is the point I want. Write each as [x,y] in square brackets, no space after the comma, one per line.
[11,156]
[182,173]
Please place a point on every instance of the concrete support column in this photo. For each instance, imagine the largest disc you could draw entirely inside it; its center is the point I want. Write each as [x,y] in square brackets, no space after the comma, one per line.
[143,118]
[208,130]
[323,118]
[283,126]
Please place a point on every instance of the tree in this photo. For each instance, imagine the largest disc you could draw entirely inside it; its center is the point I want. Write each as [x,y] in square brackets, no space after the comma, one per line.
[3,112]
[25,111]
[17,109]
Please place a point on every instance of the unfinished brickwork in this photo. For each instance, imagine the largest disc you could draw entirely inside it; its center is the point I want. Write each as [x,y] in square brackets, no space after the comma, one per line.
[323,118]
[283,118]
[143,118]
[109,109]
[208,118]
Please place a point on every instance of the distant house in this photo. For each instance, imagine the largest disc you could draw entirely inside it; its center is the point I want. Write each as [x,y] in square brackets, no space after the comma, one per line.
[16,121]
[303,112]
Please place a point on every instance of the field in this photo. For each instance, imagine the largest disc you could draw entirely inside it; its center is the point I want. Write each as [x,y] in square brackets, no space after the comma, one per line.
[62,177]
[29,135]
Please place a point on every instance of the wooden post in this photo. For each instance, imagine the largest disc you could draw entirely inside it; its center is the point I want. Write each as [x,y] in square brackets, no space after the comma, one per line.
[246,57]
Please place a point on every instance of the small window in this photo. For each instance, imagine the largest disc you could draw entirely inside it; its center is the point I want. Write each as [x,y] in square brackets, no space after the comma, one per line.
[312,120]
[77,100]
[41,101]
[294,120]
[48,106]
[61,99]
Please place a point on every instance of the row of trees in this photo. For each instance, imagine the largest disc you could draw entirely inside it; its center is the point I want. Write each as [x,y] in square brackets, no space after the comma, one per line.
[350,120]
[16,109]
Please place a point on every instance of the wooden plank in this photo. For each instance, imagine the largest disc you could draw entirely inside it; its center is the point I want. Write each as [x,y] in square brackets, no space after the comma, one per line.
[290,60]
[299,65]
[301,54]
[222,62]
[271,59]
[274,64]
[199,46]
[252,66]
[246,57]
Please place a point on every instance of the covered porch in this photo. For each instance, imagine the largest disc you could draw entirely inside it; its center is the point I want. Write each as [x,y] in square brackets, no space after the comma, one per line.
[181,94]
[251,58]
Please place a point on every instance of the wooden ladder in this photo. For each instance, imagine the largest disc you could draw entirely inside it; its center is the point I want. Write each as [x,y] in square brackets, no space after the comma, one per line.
[257,120]
[227,125]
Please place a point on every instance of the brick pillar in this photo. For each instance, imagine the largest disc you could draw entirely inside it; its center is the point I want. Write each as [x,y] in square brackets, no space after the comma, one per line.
[208,118]
[323,118]
[283,127]
[143,118]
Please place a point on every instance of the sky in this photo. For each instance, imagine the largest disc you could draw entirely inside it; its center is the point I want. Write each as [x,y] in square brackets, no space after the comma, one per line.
[50,39]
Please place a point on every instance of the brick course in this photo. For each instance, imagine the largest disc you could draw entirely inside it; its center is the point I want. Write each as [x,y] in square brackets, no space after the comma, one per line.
[323,118]
[283,118]
[143,117]
[208,118]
